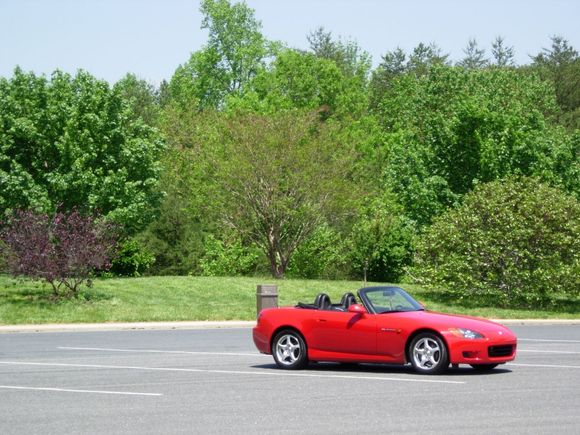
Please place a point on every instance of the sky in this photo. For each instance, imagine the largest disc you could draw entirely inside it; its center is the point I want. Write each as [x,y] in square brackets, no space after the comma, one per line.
[150,38]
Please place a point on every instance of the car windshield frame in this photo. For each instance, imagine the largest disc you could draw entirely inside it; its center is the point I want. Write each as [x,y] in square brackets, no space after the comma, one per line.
[363,294]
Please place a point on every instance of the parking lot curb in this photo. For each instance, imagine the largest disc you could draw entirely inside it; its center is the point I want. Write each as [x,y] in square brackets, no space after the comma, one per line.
[126,326]
[537,321]
[129,326]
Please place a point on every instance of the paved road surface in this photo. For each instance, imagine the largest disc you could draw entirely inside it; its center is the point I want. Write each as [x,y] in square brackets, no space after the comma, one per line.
[213,381]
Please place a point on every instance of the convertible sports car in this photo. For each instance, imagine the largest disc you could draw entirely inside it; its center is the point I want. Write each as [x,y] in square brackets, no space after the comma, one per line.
[387,326]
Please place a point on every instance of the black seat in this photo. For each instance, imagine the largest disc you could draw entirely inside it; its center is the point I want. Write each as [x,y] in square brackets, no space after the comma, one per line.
[322,301]
[347,300]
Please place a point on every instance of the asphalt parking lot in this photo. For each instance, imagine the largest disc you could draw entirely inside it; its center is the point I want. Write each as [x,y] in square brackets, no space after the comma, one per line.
[214,381]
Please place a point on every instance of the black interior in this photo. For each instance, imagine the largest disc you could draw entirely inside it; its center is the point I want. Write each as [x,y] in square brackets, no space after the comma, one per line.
[322,302]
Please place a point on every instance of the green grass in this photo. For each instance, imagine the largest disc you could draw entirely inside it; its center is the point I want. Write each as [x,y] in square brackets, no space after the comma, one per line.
[200,298]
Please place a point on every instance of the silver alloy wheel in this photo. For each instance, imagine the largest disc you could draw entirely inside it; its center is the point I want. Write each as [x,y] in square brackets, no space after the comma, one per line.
[427,353]
[288,349]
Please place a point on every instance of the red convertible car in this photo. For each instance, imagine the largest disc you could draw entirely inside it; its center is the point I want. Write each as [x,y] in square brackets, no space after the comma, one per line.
[385,325]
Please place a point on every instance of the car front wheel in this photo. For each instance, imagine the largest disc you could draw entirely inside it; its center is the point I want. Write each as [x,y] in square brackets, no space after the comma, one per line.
[289,350]
[428,354]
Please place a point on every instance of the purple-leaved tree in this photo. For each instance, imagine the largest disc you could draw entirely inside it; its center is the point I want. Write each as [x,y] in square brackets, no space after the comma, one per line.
[63,249]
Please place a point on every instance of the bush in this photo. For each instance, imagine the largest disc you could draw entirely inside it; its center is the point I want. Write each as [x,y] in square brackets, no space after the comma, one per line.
[63,249]
[322,256]
[381,241]
[513,243]
[132,259]
[228,258]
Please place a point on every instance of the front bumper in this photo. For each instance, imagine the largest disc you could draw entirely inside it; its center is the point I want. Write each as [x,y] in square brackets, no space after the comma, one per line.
[481,351]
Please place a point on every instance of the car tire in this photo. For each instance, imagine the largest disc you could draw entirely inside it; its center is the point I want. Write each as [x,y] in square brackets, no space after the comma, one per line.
[428,354]
[289,350]
[483,367]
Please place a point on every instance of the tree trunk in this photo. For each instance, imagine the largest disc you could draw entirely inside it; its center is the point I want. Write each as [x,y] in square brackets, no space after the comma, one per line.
[277,269]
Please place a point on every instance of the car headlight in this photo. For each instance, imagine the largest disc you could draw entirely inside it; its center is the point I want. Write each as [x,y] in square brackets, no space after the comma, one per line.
[465,333]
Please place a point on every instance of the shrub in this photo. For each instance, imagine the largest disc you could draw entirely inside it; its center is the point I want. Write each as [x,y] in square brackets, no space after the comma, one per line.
[512,243]
[132,259]
[228,258]
[381,241]
[62,249]
[322,256]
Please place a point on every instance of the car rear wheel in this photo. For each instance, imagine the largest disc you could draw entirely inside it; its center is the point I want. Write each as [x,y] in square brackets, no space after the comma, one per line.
[428,354]
[483,367]
[289,350]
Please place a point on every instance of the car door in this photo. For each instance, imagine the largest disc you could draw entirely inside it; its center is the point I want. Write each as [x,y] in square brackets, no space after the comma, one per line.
[392,332]
[344,332]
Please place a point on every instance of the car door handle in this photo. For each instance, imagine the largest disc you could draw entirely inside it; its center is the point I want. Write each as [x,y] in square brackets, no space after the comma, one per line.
[322,320]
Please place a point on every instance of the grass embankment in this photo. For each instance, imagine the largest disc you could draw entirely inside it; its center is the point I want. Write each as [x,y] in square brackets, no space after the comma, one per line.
[200,298]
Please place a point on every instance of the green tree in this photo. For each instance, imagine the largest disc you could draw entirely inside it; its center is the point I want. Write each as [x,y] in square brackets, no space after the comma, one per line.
[298,80]
[395,63]
[455,128]
[177,237]
[74,142]
[280,177]
[381,240]
[424,57]
[351,59]
[235,52]
[560,53]
[513,243]
[474,56]
[323,255]
[142,97]
[560,65]
[502,55]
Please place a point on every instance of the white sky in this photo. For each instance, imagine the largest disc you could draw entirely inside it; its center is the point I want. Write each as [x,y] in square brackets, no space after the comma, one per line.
[151,38]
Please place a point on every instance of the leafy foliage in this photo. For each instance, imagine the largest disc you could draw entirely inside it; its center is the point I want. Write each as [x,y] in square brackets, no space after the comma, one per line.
[395,63]
[142,97]
[381,240]
[279,177]
[503,56]
[322,255]
[512,243]
[352,60]
[235,52]
[228,258]
[474,56]
[73,142]
[560,64]
[176,236]
[455,128]
[297,80]
[132,259]
[62,249]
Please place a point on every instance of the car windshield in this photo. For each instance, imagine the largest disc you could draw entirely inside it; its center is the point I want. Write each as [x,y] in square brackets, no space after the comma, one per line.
[389,300]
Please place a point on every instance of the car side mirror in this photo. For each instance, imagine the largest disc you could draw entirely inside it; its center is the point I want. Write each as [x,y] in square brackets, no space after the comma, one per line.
[356,308]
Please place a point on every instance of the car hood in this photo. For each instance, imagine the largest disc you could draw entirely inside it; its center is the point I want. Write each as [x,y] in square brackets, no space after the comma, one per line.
[443,322]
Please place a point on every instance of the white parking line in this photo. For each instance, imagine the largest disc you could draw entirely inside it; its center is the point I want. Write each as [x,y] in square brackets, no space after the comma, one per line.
[548,351]
[234,372]
[104,349]
[548,340]
[554,366]
[67,390]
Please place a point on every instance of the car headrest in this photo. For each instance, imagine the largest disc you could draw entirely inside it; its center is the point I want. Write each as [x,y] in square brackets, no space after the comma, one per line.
[322,301]
[347,300]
